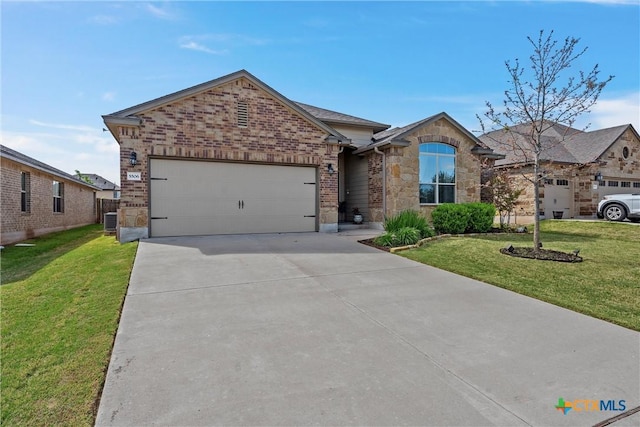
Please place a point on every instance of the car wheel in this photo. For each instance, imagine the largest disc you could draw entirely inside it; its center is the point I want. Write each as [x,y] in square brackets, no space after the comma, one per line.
[615,212]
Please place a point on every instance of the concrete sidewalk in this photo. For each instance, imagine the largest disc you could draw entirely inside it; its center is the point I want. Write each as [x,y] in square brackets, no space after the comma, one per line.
[316,329]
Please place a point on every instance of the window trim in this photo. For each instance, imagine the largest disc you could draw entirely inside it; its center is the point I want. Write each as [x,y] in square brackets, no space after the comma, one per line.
[25,192]
[437,184]
[58,197]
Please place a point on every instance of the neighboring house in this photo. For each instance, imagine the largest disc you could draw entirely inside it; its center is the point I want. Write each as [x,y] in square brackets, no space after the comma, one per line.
[232,155]
[108,189]
[39,199]
[578,168]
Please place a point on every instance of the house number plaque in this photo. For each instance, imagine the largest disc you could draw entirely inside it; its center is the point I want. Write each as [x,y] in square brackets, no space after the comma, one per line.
[134,176]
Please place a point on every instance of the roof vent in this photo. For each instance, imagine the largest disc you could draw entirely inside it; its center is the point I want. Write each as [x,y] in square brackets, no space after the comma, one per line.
[243,114]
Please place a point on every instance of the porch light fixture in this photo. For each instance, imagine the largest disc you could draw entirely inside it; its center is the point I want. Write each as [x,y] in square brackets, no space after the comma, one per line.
[598,177]
[330,169]
[133,158]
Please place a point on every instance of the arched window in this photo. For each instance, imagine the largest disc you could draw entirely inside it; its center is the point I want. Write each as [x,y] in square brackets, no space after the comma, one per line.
[437,173]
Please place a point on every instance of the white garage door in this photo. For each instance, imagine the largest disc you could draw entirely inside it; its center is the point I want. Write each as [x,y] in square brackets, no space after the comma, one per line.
[557,198]
[200,198]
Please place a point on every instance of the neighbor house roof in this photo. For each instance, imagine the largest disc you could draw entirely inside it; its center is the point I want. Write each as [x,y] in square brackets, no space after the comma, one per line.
[396,136]
[36,164]
[128,115]
[561,143]
[333,118]
[98,181]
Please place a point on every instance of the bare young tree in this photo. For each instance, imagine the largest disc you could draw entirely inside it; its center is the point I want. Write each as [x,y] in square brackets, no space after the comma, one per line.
[540,96]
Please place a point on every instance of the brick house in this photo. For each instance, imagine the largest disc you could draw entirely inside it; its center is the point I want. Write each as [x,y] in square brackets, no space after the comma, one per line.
[38,199]
[579,168]
[232,155]
[108,189]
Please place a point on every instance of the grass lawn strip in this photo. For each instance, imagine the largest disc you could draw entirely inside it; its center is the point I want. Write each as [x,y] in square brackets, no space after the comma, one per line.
[60,311]
[605,285]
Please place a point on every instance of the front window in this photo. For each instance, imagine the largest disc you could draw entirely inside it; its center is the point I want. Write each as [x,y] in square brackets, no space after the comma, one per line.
[58,196]
[437,173]
[25,192]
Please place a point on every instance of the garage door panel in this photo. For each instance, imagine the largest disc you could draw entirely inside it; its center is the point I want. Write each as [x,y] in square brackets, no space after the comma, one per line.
[199,198]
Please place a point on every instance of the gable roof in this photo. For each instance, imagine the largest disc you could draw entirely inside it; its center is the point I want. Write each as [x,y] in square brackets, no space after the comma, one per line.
[98,181]
[128,115]
[18,157]
[563,144]
[333,117]
[396,136]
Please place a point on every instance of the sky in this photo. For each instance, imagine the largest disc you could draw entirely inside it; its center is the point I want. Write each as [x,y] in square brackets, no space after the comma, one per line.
[65,64]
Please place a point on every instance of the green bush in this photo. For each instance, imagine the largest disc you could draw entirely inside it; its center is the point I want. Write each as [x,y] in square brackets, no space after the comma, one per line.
[463,218]
[402,237]
[481,216]
[450,218]
[407,236]
[411,219]
[386,239]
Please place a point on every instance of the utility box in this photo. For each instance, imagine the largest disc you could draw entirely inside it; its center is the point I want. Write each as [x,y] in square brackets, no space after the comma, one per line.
[110,221]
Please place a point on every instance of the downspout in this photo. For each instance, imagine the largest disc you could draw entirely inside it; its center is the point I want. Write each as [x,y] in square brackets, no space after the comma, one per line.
[384,181]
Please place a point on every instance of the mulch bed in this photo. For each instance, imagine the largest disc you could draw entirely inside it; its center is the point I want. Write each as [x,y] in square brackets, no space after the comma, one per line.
[541,254]
[370,242]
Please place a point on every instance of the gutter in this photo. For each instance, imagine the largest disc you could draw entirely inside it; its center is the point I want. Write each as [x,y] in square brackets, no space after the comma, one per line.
[487,153]
[375,146]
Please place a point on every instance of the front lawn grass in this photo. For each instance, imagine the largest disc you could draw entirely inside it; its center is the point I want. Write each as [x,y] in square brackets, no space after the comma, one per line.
[61,301]
[605,285]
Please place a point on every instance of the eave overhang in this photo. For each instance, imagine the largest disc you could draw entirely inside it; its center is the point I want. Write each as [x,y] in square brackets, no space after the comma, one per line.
[390,143]
[127,117]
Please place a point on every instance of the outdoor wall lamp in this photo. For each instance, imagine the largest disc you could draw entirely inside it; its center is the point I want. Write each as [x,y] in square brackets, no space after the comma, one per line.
[133,158]
[330,169]
[598,177]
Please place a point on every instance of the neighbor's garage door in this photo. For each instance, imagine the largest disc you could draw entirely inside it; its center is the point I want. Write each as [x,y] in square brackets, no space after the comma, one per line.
[199,198]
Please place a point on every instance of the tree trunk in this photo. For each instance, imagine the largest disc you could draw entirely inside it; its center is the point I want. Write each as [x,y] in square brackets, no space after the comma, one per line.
[536,204]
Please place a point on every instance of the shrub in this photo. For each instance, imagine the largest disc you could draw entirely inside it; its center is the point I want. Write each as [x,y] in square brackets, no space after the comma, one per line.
[481,217]
[402,237]
[450,218]
[386,239]
[411,219]
[407,236]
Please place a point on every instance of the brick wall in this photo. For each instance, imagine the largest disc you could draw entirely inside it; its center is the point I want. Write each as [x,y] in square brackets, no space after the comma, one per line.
[79,204]
[205,126]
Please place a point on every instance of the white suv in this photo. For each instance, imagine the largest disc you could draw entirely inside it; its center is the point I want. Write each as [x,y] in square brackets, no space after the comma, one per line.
[617,207]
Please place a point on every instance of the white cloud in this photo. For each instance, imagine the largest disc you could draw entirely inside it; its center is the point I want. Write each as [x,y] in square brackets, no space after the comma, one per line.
[158,12]
[108,96]
[223,41]
[68,147]
[622,2]
[191,45]
[103,19]
[62,126]
[616,111]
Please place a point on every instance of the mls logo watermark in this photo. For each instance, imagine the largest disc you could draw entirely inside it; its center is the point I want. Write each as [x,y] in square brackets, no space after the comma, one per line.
[590,405]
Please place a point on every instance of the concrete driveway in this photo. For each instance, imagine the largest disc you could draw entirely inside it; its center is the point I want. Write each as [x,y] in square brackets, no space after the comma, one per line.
[317,329]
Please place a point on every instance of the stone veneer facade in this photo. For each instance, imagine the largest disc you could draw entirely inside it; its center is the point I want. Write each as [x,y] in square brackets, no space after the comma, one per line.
[611,164]
[205,126]
[402,171]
